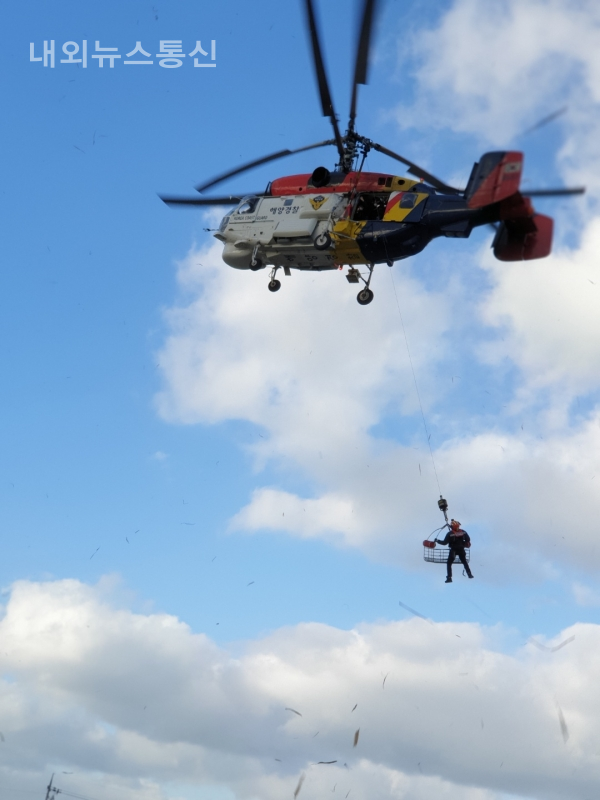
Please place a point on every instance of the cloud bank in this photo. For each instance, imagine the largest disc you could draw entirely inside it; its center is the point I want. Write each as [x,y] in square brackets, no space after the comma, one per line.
[88,688]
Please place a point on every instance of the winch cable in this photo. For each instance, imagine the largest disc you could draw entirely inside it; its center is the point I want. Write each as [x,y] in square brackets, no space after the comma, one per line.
[427,434]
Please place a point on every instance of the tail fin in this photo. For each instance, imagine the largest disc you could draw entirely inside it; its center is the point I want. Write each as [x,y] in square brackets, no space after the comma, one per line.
[495,177]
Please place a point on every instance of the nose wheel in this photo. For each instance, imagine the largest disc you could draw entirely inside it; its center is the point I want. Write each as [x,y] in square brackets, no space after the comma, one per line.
[365,296]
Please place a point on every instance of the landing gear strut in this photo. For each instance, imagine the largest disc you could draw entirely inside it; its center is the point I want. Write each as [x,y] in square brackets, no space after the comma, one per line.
[365,296]
[255,262]
[274,285]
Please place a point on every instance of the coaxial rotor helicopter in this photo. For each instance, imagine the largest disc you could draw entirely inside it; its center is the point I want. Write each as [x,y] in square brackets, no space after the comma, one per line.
[327,219]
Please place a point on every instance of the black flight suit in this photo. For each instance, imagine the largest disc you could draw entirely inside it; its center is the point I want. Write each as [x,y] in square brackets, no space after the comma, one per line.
[457,541]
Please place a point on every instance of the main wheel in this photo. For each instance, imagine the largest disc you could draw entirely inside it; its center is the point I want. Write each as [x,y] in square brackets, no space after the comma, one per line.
[255,263]
[323,241]
[274,285]
[365,296]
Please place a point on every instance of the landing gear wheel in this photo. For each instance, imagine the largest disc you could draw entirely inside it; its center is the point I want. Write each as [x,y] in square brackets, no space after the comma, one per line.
[255,263]
[365,296]
[323,241]
[274,285]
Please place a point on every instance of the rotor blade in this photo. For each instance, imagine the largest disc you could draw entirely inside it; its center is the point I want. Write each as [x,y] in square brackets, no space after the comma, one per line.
[259,161]
[230,200]
[416,170]
[546,120]
[552,192]
[325,95]
[362,56]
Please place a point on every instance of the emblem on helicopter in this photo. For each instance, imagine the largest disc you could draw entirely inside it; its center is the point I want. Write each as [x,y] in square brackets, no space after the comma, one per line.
[317,202]
[372,218]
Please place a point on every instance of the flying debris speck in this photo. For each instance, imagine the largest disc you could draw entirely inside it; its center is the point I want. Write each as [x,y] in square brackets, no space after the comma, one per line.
[300,782]
[327,762]
[356,735]
[563,726]
[294,710]
[412,611]
[384,680]
[541,646]
[356,706]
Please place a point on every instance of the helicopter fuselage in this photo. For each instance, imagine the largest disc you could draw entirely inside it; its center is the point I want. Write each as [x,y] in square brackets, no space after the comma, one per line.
[357,218]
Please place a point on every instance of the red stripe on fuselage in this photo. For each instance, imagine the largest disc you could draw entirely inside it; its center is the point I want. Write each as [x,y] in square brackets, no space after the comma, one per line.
[357,181]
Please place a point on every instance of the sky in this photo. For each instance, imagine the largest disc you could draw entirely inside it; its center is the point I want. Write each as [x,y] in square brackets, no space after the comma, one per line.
[213,498]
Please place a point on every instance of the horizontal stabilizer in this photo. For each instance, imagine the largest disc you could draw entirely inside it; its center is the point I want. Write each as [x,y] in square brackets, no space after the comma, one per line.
[495,177]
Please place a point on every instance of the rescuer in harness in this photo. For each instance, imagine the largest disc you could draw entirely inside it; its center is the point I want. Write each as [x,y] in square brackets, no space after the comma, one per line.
[457,540]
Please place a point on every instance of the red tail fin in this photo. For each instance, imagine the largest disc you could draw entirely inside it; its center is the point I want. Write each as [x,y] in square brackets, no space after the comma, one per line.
[495,177]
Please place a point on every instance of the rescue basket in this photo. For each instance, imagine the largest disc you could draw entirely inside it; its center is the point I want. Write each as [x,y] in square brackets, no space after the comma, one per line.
[439,555]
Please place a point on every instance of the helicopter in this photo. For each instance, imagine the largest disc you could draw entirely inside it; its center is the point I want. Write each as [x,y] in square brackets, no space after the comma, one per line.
[326,220]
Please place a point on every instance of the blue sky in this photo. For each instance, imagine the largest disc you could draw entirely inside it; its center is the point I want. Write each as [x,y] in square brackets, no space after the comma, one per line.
[180,444]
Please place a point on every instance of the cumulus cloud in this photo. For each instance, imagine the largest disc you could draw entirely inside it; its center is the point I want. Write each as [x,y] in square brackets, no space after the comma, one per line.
[550,314]
[137,703]
[493,69]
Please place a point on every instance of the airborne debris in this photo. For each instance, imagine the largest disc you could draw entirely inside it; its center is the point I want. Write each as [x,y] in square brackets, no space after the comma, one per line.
[541,646]
[327,762]
[354,707]
[300,782]
[356,735]
[294,710]
[546,120]
[384,680]
[412,611]
[563,725]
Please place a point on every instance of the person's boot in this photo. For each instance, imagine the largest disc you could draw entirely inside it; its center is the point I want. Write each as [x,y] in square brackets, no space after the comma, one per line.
[471,575]
[448,580]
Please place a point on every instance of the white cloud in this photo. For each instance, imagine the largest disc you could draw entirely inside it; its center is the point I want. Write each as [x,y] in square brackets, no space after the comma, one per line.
[493,69]
[137,703]
[549,311]
[585,595]
[237,351]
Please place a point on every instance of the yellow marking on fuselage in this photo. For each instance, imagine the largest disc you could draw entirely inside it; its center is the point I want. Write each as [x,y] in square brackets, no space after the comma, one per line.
[344,234]
[397,214]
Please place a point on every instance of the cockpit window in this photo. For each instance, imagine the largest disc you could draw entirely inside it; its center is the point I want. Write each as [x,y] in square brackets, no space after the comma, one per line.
[247,206]
[408,200]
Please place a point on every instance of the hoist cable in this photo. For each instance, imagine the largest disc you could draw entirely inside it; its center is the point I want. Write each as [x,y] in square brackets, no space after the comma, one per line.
[427,434]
